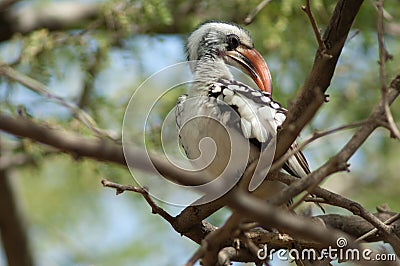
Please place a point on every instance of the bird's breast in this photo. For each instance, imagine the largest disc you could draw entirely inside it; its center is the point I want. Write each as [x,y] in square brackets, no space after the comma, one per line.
[210,137]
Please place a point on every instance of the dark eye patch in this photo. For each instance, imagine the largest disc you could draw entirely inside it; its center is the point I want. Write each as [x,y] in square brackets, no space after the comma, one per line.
[233,41]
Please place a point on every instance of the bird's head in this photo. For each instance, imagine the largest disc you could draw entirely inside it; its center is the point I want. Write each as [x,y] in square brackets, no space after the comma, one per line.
[216,41]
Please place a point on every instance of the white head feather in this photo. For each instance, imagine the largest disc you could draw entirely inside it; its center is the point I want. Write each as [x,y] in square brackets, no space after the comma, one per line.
[206,47]
[214,30]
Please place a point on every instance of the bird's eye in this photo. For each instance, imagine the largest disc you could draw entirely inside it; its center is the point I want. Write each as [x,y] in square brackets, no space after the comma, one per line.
[233,41]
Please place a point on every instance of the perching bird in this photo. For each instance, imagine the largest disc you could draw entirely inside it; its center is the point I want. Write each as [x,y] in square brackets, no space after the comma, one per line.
[216,100]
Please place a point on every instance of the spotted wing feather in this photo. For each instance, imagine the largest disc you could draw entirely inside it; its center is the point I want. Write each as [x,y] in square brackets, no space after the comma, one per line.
[255,108]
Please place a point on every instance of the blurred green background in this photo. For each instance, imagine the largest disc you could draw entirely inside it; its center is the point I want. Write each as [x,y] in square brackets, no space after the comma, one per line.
[102,52]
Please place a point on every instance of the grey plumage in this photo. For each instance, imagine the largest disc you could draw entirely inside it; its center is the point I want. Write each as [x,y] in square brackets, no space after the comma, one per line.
[252,114]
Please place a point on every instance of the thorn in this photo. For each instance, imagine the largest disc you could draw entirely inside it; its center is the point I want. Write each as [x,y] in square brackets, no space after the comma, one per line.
[344,166]
[347,167]
[353,35]
[20,111]
[236,243]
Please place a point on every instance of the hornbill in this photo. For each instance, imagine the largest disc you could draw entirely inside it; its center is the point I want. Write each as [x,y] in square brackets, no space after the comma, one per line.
[216,101]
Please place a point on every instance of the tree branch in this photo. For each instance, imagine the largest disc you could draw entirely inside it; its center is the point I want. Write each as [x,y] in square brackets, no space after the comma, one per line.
[68,15]
[316,135]
[107,150]
[353,225]
[250,17]
[298,227]
[41,89]
[383,57]
[375,230]
[155,209]
[54,16]
[339,201]
[76,145]
[339,162]
[311,96]
[317,31]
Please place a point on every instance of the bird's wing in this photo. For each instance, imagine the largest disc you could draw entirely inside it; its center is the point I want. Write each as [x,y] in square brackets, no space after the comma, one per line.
[259,114]
[256,108]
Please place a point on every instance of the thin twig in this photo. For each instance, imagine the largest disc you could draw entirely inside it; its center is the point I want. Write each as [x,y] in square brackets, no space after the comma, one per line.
[303,198]
[250,17]
[40,88]
[316,135]
[312,95]
[333,199]
[383,57]
[144,192]
[353,35]
[317,31]
[248,226]
[375,230]
[316,200]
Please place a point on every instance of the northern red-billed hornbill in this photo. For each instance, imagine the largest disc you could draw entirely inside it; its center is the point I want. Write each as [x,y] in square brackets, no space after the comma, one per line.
[253,115]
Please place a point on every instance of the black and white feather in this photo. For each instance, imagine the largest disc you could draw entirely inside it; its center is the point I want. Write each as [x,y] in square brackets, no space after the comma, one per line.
[252,114]
[254,109]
